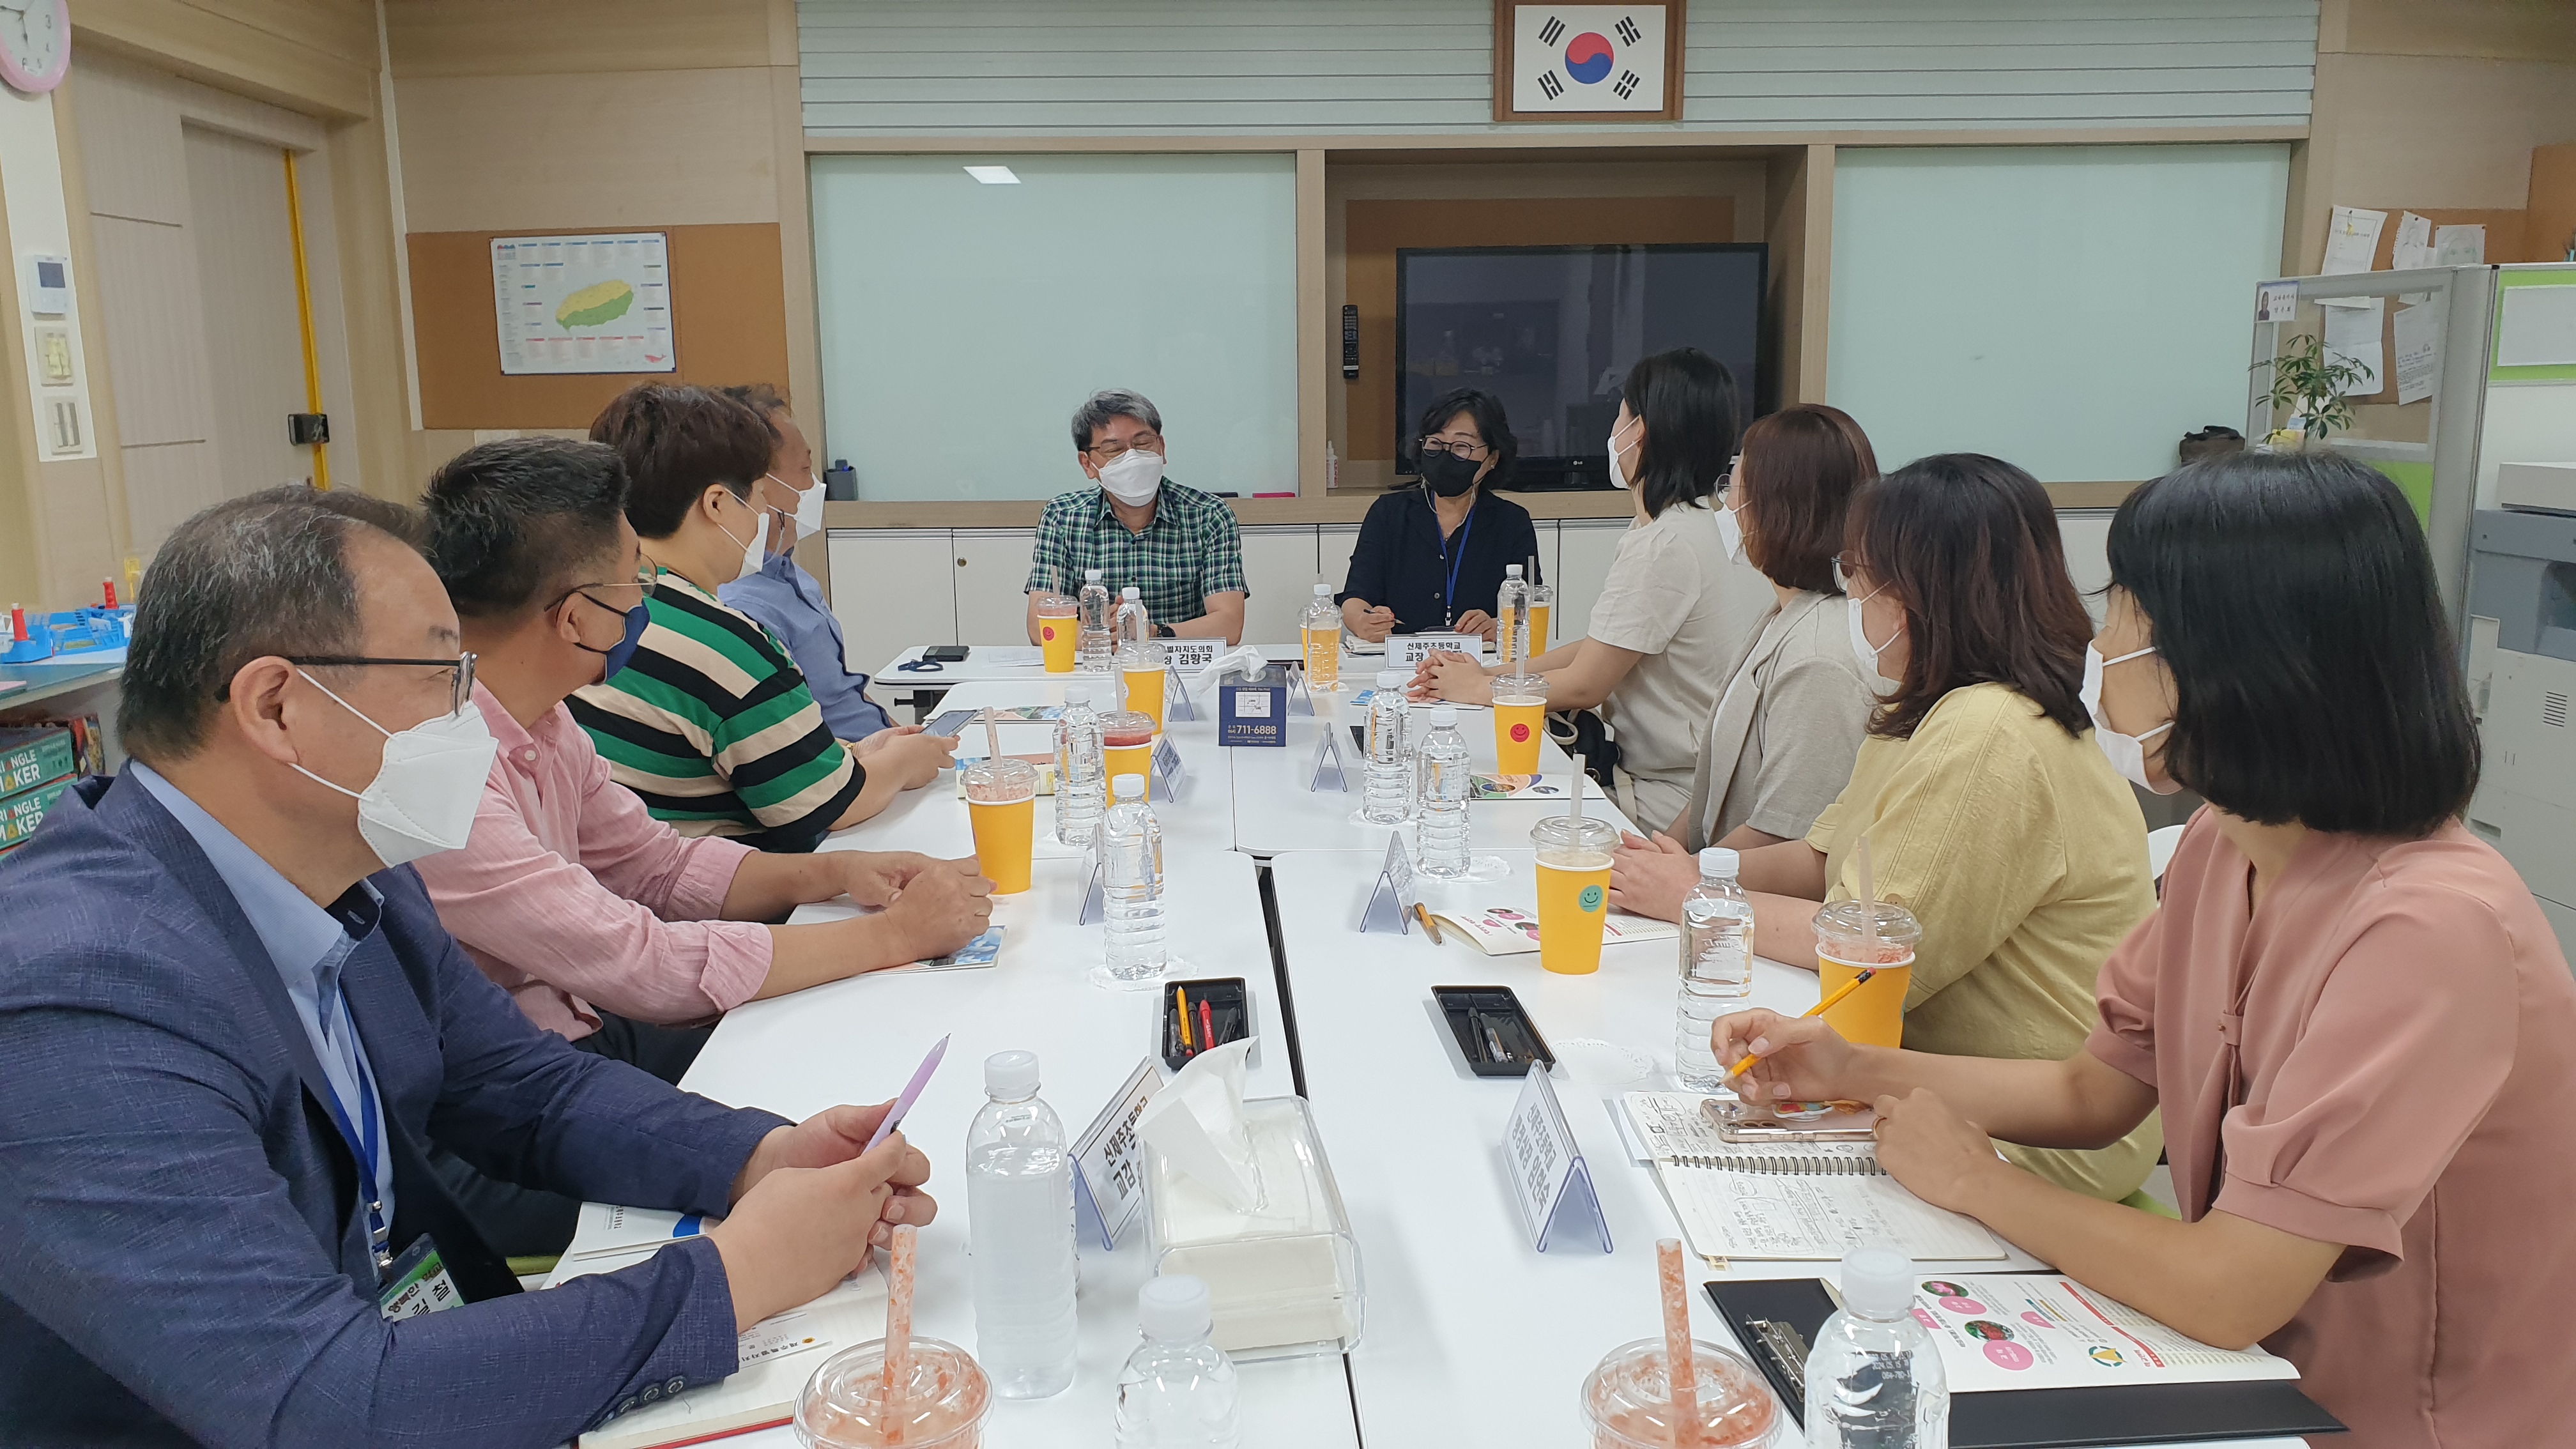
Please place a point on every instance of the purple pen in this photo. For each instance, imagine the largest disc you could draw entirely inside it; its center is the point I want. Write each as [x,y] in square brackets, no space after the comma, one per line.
[912,1089]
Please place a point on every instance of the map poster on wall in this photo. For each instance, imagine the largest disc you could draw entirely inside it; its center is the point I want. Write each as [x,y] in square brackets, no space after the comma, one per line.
[571,304]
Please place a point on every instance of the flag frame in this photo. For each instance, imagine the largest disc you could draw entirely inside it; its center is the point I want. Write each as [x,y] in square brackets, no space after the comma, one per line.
[1507,39]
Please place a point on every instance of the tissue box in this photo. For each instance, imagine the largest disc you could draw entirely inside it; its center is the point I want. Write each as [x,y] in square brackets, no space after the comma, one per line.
[1253,710]
[1284,1279]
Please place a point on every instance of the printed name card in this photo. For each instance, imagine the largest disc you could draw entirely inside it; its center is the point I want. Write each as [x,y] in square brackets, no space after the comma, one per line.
[1405,651]
[1167,769]
[1109,1160]
[2276,302]
[1392,899]
[1328,761]
[1549,1180]
[1189,656]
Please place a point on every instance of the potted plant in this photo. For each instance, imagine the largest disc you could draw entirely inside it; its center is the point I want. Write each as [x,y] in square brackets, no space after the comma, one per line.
[2312,383]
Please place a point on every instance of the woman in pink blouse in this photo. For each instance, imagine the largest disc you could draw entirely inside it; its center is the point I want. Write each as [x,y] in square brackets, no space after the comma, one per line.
[2357,1022]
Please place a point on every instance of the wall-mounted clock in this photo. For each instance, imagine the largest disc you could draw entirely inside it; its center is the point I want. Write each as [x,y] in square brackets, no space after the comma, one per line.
[35,44]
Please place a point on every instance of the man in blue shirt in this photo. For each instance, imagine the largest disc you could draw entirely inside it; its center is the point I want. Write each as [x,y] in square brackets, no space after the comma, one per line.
[785,598]
[231,1026]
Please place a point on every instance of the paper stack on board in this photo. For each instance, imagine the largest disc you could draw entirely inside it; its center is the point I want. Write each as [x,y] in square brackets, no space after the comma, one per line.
[1788,1200]
[2044,1331]
[1510,930]
[778,1353]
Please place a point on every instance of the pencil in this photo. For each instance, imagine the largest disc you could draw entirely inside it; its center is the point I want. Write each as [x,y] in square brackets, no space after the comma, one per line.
[1183,993]
[1819,1009]
[1428,924]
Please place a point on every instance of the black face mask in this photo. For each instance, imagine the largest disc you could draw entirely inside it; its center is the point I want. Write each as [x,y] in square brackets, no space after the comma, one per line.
[1447,474]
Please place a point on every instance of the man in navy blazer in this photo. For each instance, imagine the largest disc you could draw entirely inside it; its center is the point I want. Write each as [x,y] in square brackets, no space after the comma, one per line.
[228,1029]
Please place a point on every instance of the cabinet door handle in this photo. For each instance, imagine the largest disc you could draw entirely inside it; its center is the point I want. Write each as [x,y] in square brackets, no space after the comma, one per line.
[961,563]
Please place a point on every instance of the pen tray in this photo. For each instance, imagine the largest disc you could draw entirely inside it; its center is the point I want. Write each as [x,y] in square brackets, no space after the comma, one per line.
[1227,1001]
[1460,1006]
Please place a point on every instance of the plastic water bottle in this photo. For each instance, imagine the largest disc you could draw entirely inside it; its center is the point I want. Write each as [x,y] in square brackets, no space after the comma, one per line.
[1511,611]
[1874,1380]
[1081,768]
[1131,846]
[1019,1225]
[1092,648]
[1177,1391]
[1717,965]
[1129,628]
[1440,767]
[1389,796]
[1321,623]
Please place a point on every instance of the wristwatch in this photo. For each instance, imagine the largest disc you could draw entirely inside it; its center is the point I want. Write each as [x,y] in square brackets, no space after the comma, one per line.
[1164,631]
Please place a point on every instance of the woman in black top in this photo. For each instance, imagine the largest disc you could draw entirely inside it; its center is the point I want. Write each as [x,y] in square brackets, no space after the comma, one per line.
[1430,559]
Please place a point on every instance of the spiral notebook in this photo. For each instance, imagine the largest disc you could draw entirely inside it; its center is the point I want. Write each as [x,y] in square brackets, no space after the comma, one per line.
[1788,1201]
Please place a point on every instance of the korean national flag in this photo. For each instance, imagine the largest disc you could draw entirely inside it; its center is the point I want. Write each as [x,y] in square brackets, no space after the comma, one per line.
[1577,58]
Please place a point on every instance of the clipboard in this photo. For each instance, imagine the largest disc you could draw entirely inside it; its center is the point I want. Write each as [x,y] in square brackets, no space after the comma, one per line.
[1776,1320]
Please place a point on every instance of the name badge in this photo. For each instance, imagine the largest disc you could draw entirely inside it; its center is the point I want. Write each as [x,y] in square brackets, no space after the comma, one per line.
[417,1283]
[1405,651]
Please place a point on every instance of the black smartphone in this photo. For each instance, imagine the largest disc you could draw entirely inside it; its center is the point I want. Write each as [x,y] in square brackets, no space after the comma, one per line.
[944,653]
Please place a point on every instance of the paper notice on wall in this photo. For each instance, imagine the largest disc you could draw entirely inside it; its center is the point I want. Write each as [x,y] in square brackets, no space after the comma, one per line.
[2419,352]
[2352,336]
[2412,249]
[2352,240]
[583,304]
[2459,246]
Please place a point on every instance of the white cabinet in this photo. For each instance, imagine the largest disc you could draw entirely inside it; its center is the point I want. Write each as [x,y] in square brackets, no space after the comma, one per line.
[1279,568]
[992,577]
[2086,533]
[1333,545]
[1584,548]
[892,587]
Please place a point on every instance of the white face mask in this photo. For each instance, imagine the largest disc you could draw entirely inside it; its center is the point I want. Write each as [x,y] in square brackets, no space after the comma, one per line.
[1863,650]
[1618,474]
[1133,476]
[423,796]
[754,553]
[809,509]
[1731,529]
[2127,753]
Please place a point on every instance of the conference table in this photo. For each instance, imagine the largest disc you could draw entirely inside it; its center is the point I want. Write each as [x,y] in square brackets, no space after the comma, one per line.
[1470,1336]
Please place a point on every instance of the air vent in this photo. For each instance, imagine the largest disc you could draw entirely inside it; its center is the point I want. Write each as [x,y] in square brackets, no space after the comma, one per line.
[2553,709]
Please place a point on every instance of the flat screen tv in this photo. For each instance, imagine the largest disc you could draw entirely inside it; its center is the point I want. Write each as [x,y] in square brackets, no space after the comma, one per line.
[1552,332]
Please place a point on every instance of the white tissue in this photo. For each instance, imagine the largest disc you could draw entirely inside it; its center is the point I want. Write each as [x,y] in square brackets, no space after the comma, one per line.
[1196,1122]
[1249,659]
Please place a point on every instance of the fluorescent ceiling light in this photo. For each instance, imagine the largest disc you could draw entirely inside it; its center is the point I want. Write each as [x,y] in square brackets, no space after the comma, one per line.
[993,175]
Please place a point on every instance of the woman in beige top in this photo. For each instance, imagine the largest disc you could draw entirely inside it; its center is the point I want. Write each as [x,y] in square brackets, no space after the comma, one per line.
[1779,747]
[1676,614]
[1989,813]
[2349,1009]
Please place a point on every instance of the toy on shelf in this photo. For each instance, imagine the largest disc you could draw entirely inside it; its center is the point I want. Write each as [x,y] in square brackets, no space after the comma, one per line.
[35,639]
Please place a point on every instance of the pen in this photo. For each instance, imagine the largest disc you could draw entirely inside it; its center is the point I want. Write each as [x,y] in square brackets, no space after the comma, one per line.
[1207,1024]
[1819,1009]
[1183,993]
[1495,1042]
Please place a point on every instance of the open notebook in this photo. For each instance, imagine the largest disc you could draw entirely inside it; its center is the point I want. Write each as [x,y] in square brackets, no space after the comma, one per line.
[1510,930]
[1788,1200]
[778,1353]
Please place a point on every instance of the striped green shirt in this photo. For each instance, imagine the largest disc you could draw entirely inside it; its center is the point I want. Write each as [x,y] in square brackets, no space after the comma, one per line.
[712,725]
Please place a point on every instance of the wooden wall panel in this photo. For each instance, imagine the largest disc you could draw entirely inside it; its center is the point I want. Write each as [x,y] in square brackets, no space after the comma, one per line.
[1375,229]
[728,320]
[2549,233]
[314,56]
[547,37]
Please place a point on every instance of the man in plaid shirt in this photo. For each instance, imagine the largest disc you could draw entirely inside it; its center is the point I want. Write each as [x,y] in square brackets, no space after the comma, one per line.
[1176,545]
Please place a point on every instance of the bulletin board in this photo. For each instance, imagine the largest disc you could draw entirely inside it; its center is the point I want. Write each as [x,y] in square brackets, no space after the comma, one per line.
[2505,243]
[728,321]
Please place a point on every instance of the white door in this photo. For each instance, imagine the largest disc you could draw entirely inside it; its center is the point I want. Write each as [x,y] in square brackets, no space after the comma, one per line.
[1584,548]
[892,587]
[1279,567]
[246,265]
[992,566]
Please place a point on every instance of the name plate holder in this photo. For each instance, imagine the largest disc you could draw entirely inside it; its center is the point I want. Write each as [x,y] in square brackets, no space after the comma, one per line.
[1167,769]
[1550,1182]
[1299,700]
[1093,910]
[1328,761]
[1183,658]
[1109,1161]
[1407,651]
[1392,900]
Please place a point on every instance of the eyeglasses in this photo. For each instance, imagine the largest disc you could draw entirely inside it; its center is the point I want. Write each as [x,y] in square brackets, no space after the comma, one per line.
[646,579]
[1846,569]
[1472,452]
[1111,452]
[460,688]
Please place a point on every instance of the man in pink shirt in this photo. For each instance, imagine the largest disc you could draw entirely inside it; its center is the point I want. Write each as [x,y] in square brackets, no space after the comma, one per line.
[605,924]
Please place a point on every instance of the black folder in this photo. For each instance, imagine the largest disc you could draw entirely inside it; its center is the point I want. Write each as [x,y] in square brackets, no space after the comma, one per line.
[1758,1311]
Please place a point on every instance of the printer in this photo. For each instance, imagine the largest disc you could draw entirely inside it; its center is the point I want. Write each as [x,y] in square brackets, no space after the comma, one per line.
[2522,680]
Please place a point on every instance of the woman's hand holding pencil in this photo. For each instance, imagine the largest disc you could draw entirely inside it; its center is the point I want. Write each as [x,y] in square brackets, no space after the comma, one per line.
[1789,1058]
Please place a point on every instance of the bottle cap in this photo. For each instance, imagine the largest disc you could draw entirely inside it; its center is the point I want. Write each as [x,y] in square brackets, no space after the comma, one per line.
[1392,678]
[1878,1280]
[1128,787]
[1130,592]
[1010,1075]
[1444,717]
[1511,571]
[1175,1307]
[1091,576]
[1323,591]
[1077,694]
[1717,860]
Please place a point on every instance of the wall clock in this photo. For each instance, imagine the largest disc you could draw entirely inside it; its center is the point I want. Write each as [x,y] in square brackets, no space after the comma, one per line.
[1588,63]
[35,44]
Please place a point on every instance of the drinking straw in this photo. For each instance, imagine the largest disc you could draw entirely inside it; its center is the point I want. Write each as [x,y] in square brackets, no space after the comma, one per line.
[898,1344]
[993,746]
[1678,1369]
[1868,896]
[1574,807]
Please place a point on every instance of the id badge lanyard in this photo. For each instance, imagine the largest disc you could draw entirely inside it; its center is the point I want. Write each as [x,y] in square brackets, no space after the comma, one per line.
[370,1150]
[1467,530]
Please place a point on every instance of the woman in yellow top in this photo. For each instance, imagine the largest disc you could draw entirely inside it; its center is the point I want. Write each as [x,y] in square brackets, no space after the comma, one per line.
[1990,813]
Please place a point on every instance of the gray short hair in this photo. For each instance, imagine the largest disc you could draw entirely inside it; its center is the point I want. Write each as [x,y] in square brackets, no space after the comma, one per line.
[1111,402]
[265,574]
